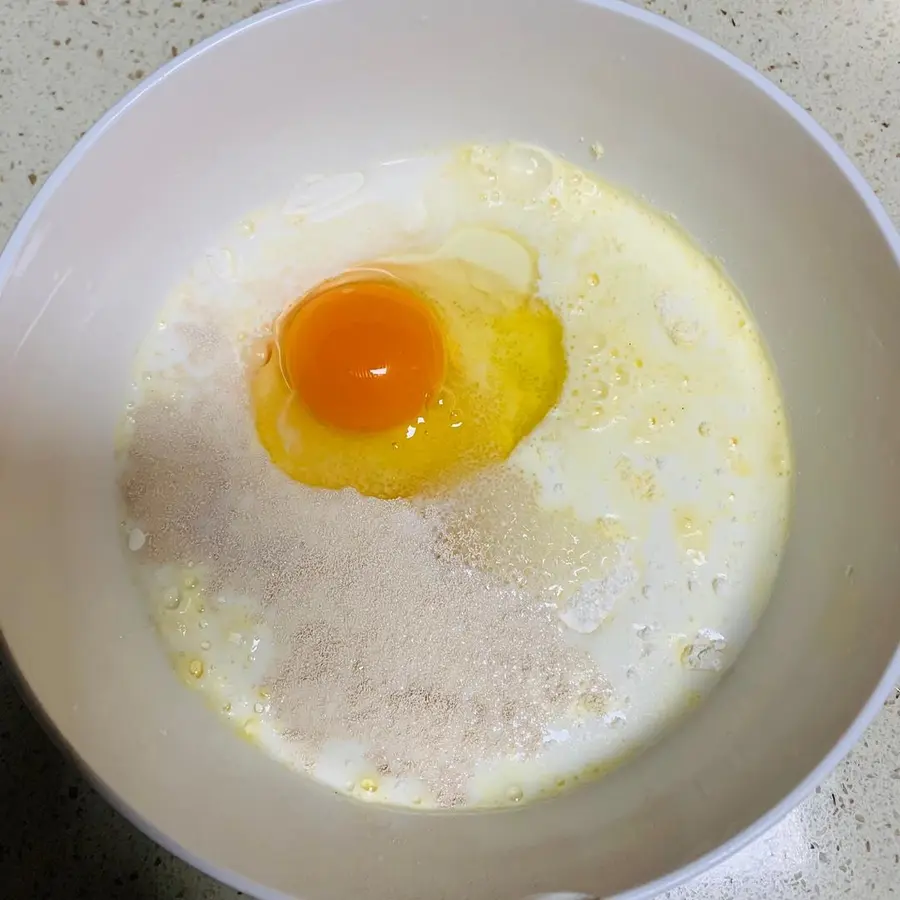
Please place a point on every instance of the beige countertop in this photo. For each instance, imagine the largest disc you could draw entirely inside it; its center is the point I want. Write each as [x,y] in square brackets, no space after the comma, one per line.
[63,62]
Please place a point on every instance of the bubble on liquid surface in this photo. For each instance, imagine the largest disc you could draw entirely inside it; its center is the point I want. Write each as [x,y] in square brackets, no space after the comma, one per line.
[524,173]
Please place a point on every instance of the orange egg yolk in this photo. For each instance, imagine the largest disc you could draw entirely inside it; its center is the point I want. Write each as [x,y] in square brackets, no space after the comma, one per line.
[363,355]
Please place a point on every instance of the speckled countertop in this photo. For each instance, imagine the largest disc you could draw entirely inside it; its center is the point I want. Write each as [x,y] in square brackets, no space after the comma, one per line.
[63,62]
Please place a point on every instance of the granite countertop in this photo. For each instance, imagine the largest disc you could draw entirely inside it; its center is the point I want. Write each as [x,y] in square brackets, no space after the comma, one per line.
[63,62]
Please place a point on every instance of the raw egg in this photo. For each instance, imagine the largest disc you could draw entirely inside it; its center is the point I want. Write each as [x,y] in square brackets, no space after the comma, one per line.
[402,376]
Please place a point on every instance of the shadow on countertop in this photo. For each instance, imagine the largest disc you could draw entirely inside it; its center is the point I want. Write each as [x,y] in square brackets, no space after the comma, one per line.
[59,840]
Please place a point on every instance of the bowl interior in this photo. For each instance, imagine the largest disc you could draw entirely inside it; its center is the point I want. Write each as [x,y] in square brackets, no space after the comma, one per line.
[333,86]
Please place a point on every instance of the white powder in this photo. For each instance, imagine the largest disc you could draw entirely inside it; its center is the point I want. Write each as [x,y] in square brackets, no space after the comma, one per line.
[678,319]
[592,604]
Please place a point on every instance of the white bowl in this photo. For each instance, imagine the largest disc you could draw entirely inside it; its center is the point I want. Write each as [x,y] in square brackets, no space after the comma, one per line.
[333,86]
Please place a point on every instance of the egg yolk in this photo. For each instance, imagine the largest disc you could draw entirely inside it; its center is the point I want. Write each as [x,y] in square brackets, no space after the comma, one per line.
[363,355]
[402,377]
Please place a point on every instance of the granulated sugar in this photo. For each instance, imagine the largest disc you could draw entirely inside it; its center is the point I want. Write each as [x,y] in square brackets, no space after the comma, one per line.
[385,637]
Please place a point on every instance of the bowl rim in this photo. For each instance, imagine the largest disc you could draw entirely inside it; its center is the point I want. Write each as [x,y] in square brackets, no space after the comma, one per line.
[17,242]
